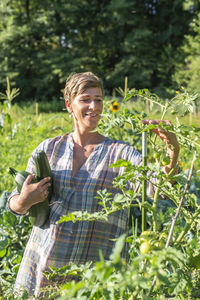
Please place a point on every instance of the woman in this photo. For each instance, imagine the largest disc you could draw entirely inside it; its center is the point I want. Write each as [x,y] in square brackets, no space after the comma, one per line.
[80,166]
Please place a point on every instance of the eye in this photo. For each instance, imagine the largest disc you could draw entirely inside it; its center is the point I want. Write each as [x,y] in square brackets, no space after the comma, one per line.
[84,100]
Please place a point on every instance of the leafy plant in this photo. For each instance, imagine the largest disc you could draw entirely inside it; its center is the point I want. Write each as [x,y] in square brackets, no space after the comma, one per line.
[165,262]
[5,118]
[167,267]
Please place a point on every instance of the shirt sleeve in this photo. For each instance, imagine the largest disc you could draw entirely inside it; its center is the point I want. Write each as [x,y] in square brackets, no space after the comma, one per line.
[14,193]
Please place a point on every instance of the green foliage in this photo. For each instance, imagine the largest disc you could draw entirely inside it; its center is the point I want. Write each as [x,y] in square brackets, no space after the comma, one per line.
[14,234]
[175,267]
[5,118]
[43,42]
[187,71]
[116,279]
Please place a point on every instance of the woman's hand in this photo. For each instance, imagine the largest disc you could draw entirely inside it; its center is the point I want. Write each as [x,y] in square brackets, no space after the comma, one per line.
[169,138]
[31,193]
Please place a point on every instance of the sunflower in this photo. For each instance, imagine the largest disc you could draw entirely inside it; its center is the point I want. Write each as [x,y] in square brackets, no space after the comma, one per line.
[180,163]
[114,106]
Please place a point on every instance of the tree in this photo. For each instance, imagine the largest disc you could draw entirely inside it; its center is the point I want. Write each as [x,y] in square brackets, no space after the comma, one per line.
[42,42]
[31,47]
[188,70]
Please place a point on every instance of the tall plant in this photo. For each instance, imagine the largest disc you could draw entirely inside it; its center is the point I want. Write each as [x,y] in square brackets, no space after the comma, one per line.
[160,255]
[7,97]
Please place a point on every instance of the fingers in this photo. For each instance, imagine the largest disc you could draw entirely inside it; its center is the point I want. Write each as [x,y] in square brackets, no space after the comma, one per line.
[29,179]
[158,130]
[41,186]
[45,193]
[41,182]
[45,181]
[33,193]
[169,138]
[157,122]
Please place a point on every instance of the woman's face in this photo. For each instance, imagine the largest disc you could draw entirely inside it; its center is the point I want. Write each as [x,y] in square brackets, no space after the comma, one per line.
[86,108]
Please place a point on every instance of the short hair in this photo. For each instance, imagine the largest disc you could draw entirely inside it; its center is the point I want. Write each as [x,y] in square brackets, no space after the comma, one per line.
[77,83]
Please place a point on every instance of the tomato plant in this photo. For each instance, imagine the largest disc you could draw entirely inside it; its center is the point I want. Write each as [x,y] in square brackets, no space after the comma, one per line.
[175,267]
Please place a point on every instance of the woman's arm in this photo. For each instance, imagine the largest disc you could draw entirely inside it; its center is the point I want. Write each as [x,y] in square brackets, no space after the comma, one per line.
[31,193]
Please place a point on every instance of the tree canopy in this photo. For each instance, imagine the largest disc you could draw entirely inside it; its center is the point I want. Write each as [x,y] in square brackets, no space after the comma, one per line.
[42,42]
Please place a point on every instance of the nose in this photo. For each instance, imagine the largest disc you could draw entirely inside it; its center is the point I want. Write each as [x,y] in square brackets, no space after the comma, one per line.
[92,104]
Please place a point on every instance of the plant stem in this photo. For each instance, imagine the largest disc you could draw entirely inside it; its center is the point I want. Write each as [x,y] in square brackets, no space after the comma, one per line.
[36,109]
[162,117]
[177,214]
[187,227]
[154,206]
[144,182]
[125,86]
[181,201]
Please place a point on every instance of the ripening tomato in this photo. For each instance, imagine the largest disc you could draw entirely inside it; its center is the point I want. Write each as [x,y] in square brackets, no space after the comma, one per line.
[145,247]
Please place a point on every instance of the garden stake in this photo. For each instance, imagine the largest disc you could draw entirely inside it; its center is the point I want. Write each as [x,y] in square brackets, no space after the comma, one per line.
[154,206]
[177,213]
[181,201]
[136,227]
[144,182]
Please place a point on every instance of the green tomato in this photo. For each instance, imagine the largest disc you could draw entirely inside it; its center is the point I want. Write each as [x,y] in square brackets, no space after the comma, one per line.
[148,235]
[156,155]
[173,112]
[165,161]
[158,245]
[145,247]
[163,236]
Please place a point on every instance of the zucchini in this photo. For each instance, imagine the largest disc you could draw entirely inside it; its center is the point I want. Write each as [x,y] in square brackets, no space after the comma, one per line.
[20,177]
[39,212]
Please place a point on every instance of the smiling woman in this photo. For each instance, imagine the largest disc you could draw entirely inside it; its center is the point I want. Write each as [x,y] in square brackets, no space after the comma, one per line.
[85,104]
[80,164]
[86,109]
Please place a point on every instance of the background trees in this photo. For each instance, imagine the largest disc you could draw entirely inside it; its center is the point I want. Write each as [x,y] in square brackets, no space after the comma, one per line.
[42,42]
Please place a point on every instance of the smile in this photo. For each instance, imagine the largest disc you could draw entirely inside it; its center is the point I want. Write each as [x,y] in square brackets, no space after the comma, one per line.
[91,115]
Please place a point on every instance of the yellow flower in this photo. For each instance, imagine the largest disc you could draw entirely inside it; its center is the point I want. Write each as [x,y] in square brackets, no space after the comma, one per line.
[114,106]
[181,164]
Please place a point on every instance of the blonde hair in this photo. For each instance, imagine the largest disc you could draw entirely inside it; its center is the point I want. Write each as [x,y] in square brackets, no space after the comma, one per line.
[77,83]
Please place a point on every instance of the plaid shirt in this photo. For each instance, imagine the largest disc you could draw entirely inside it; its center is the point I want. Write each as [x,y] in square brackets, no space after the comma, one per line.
[58,244]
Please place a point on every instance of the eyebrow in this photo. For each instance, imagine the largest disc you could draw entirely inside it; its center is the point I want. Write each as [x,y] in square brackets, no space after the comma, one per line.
[88,96]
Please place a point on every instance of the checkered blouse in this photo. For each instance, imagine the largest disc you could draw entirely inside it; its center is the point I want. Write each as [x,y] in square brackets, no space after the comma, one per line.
[58,244]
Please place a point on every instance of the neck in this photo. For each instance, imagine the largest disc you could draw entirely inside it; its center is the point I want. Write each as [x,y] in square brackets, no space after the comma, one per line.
[89,138]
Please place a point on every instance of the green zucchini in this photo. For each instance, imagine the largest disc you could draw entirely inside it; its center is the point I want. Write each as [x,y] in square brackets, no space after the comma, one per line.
[39,212]
[20,177]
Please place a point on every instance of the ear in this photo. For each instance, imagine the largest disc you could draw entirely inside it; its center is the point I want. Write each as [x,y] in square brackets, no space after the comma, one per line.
[68,106]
